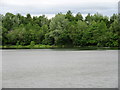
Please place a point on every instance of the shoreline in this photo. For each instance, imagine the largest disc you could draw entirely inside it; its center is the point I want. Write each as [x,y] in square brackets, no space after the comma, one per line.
[58,47]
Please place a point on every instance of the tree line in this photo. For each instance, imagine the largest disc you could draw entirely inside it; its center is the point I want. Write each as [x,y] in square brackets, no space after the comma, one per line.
[63,29]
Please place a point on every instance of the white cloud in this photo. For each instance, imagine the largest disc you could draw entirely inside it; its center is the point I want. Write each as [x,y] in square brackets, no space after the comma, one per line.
[52,2]
[37,7]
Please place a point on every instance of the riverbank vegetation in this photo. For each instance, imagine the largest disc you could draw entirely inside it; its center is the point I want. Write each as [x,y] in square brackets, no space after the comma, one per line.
[62,30]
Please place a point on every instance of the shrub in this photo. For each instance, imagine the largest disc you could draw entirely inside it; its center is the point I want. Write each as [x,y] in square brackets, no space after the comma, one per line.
[32,44]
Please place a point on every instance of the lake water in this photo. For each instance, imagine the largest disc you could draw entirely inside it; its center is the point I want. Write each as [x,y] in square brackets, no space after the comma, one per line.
[51,68]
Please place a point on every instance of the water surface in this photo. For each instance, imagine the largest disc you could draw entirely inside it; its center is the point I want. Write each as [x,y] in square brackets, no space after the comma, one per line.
[51,68]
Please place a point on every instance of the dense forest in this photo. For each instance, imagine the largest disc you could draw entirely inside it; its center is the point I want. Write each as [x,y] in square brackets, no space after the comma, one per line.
[61,30]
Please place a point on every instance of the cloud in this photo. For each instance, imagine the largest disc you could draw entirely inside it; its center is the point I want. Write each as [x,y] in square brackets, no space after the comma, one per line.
[36,7]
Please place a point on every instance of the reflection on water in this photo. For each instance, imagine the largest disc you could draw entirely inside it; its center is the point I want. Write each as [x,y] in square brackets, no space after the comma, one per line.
[57,68]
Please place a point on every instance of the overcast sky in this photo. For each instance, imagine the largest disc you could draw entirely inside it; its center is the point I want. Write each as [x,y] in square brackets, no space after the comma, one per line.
[51,7]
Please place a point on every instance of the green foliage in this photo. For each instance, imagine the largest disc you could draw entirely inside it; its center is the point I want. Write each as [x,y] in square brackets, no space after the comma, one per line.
[58,22]
[78,17]
[32,44]
[69,16]
[61,30]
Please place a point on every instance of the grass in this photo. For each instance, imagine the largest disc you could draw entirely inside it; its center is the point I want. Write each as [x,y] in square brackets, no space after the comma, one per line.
[27,47]
[40,46]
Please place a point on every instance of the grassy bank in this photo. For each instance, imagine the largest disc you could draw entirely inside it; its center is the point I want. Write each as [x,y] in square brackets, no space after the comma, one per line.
[28,47]
[57,47]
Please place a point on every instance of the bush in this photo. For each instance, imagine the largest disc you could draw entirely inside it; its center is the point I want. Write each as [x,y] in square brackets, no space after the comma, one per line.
[32,44]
